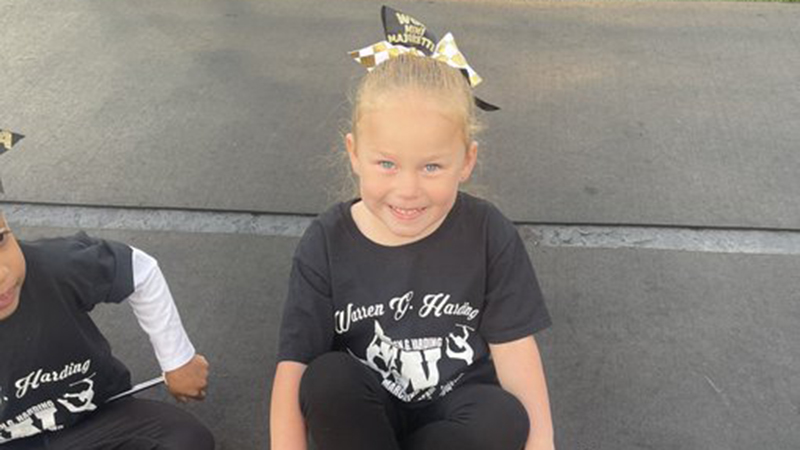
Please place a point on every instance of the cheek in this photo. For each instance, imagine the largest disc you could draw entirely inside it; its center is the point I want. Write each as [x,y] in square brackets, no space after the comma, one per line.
[17,266]
[372,185]
[21,274]
[443,190]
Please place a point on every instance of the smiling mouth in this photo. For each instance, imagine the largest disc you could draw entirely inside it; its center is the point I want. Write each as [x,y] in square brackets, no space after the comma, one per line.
[407,213]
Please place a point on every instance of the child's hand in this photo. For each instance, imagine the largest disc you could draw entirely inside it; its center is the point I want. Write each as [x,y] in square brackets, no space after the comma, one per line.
[189,380]
[540,444]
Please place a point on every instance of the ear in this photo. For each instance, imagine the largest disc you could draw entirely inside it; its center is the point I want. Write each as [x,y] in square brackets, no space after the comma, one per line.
[469,161]
[350,145]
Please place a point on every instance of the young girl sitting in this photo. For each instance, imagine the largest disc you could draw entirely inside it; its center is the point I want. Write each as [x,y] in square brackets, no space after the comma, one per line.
[411,310]
[56,369]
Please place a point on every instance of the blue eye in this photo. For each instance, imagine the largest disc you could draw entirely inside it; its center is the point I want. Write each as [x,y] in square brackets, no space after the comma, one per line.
[430,168]
[386,164]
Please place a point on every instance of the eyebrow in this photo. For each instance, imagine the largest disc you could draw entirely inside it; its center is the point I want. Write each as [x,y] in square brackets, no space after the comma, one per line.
[383,154]
[443,155]
[437,156]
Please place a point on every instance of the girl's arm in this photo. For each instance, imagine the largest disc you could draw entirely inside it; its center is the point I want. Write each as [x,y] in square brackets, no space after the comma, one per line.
[287,428]
[519,368]
[185,371]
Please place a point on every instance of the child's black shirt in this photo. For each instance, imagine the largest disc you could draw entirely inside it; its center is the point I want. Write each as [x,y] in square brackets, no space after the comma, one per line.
[421,315]
[55,365]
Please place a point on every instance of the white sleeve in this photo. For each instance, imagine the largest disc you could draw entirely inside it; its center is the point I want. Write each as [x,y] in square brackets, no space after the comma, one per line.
[157,315]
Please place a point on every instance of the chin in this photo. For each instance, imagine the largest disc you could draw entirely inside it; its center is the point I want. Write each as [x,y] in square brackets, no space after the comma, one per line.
[407,231]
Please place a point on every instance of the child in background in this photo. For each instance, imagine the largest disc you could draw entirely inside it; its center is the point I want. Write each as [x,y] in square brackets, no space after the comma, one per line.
[411,310]
[56,368]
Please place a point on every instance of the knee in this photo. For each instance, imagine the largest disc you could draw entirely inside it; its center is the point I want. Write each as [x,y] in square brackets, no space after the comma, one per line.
[519,423]
[508,418]
[190,434]
[201,437]
[161,425]
[330,379]
[515,420]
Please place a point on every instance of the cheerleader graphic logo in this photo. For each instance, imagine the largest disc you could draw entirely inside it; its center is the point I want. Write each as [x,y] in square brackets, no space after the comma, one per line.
[80,401]
[410,367]
[76,397]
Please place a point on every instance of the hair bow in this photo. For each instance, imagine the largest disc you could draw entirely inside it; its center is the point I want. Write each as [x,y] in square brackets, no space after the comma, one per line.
[407,35]
[8,139]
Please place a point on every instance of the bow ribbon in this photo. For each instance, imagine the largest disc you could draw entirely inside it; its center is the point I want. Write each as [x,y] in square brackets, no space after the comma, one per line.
[407,35]
[8,139]
[445,51]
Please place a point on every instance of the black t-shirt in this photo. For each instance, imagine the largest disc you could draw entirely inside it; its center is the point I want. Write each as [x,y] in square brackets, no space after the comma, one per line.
[421,315]
[56,366]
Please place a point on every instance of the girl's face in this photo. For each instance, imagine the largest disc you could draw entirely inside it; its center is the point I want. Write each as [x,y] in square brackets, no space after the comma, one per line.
[12,271]
[410,157]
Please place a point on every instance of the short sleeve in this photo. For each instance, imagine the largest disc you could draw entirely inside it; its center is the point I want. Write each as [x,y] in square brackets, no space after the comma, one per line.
[307,325]
[99,271]
[514,306]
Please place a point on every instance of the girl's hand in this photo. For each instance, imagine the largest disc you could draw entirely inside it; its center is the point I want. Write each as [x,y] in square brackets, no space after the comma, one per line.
[540,445]
[189,381]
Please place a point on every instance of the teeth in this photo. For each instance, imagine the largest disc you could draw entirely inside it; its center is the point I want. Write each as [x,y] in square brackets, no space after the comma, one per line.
[407,212]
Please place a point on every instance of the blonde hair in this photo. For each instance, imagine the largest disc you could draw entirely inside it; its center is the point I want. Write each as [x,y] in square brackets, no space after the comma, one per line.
[415,72]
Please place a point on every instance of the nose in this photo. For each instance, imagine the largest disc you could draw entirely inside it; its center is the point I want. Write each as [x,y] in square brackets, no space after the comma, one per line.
[407,184]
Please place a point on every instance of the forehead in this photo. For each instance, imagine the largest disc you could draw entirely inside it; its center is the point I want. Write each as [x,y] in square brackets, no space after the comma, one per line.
[409,117]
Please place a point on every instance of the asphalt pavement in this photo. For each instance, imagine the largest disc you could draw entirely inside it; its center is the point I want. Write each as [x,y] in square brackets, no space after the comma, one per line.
[645,114]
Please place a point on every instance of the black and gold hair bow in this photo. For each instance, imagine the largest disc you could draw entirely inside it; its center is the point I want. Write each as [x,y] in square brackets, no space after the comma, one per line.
[407,35]
[8,139]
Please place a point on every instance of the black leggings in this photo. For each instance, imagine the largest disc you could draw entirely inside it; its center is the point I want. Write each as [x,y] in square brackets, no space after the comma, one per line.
[128,424]
[345,407]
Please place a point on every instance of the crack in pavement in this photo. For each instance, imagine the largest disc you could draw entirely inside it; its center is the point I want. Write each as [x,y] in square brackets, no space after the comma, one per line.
[713,240]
